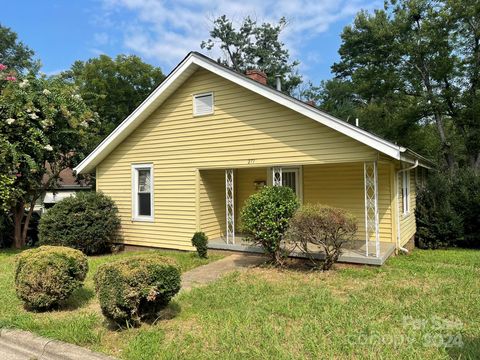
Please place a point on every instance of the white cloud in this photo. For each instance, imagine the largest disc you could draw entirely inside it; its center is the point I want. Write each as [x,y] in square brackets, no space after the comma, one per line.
[54,72]
[165,32]
[101,38]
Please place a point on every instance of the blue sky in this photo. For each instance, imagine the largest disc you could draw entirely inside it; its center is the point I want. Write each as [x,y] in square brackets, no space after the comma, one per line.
[163,32]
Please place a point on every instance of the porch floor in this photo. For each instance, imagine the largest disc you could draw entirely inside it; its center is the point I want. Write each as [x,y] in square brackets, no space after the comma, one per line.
[353,252]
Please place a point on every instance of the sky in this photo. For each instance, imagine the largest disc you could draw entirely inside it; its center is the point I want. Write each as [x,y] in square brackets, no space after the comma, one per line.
[163,32]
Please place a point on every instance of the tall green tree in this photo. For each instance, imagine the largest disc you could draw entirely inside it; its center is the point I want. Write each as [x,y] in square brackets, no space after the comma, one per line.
[413,68]
[14,54]
[113,87]
[463,18]
[255,46]
[44,127]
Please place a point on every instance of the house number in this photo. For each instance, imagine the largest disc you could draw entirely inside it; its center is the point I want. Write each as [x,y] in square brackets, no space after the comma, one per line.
[251,161]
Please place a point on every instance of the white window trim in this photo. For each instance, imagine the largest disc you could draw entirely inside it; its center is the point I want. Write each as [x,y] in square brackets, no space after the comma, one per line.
[194,96]
[406,192]
[298,170]
[135,216]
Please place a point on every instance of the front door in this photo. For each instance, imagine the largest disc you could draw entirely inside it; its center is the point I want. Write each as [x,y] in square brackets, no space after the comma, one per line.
[290,179]
[288,176]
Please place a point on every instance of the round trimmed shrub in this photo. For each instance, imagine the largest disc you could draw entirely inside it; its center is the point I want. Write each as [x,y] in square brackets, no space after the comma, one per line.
[47,275]
[136,288]
[88,222]
[265,218]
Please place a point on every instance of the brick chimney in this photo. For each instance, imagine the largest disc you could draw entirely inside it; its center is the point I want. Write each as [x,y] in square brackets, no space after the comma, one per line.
[257,75]
[311,103]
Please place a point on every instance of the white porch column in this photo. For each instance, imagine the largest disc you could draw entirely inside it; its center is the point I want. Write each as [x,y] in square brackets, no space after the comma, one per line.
[277,176]
[370,172]
[230,206]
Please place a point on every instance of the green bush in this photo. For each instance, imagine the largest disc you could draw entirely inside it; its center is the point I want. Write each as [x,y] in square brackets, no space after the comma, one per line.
[6,230]
[136,288]
[448,210]
[265,219]
[316,228]
[200,241]
[47,275]
[88,222]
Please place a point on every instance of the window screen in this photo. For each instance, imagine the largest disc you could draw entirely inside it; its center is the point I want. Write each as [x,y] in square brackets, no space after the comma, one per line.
[406,191]
[289,178]
[144,192]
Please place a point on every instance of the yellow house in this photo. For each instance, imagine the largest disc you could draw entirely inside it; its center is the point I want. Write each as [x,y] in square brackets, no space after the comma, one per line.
[208,137]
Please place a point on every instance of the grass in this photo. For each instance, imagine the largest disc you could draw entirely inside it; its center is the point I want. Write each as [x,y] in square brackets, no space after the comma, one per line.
[398,311]
[80,321]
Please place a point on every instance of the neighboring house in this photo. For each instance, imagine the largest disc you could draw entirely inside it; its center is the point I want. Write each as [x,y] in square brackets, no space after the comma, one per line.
[208,137]
[67,186]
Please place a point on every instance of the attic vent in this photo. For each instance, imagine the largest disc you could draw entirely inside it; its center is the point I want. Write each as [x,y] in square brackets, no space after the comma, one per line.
[203,104]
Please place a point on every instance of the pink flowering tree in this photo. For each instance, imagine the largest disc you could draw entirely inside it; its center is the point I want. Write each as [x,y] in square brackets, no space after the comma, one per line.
[42,121]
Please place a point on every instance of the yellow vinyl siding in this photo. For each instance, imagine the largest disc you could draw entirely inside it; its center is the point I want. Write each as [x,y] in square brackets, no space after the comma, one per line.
[342,185]
[212,202]
[246,130]
[212,197]
[245,186]
[407,221]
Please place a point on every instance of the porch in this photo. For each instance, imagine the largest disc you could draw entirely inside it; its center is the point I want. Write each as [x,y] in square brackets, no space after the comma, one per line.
[362,188]
[354,252]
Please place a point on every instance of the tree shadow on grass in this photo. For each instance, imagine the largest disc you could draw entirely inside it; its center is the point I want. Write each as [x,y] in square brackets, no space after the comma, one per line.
[470,349]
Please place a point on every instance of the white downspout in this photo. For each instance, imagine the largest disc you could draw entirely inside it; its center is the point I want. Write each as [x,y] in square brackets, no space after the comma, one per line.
[397,205]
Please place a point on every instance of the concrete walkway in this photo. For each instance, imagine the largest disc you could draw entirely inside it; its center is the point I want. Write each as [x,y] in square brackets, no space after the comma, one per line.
[207,273]
[23,345]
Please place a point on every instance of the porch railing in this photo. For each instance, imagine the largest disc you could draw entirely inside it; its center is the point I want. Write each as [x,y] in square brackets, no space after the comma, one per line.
[370,172]
[230,205]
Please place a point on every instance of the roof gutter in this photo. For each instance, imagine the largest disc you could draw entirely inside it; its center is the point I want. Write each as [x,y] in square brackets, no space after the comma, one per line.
[411,157]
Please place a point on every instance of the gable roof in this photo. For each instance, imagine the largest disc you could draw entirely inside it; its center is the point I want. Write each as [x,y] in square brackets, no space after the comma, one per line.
[194,61]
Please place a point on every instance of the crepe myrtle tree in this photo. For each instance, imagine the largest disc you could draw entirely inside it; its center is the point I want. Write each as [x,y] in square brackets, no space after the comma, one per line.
[44,125]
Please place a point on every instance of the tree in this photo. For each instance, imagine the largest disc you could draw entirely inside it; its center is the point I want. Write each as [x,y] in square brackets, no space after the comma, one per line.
[254,46]
[464,100]
[13,53]
[113,87]
[336,97]
[44,124]
[414,67]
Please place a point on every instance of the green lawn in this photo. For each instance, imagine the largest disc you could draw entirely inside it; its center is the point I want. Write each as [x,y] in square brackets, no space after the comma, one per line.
[80,321]
[401,310]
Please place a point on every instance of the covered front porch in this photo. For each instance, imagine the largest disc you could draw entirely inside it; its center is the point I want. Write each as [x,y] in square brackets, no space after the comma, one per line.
[354,252]
[362,188]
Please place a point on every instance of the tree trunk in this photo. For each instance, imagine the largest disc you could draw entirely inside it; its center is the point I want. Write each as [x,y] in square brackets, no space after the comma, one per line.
[18,213]
[475,163]
[446,147]
[430,95]
[27,221]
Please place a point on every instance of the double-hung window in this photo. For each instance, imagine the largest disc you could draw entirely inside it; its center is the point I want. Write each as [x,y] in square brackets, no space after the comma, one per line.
[142,192]
[406,192]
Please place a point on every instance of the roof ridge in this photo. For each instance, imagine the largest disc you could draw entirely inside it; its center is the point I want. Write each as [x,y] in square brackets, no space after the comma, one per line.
[194,60]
